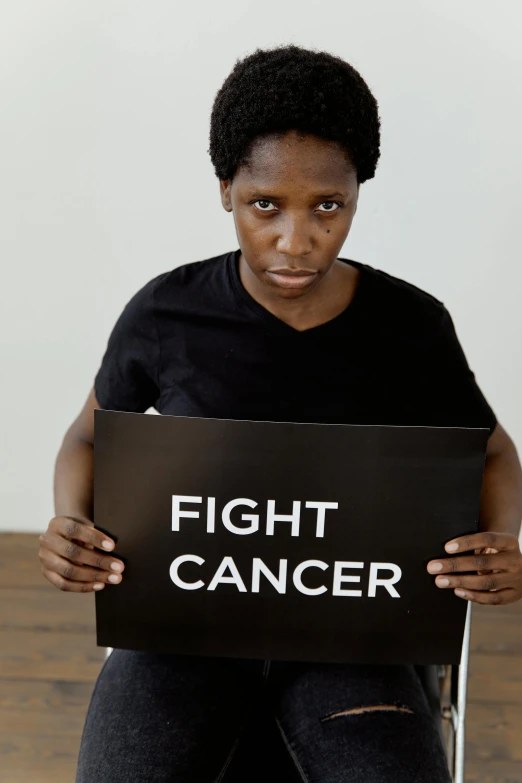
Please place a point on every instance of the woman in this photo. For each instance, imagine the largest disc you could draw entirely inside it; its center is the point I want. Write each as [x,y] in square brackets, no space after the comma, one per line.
[280,329]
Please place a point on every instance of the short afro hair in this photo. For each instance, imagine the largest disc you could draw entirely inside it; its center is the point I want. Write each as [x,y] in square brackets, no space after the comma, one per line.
[273,91]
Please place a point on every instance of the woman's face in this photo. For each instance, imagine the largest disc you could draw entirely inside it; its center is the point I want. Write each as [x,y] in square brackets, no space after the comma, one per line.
[293,208]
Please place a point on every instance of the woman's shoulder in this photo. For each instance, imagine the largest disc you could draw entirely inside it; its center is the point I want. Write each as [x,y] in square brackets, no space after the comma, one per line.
[403,301]
[397,286]
[192,276]
[196,275]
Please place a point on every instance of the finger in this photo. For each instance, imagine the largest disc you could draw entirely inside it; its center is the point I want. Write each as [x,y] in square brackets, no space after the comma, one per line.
[486,538]
[69,586]
[507,596]
[486,551]
[77,553]
[71,528]
[446,565]
[76,573]
[489,582]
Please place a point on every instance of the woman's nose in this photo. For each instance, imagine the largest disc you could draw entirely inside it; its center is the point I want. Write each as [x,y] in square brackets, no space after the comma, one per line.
[295,242]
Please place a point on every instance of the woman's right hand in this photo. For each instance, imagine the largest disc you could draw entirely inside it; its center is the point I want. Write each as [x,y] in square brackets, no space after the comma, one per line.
[70,556]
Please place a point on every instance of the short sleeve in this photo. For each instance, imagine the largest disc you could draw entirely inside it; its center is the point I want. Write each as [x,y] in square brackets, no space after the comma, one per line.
[456,397]
[128,377]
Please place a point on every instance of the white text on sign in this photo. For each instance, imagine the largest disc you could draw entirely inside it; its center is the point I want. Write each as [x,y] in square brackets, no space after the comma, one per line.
[228,573]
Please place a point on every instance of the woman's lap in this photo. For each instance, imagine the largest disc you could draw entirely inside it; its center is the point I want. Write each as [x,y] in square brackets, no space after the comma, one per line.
[163,718]
[333,722]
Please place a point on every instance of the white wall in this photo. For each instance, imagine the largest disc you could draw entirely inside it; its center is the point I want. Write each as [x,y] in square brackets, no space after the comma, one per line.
[105,181]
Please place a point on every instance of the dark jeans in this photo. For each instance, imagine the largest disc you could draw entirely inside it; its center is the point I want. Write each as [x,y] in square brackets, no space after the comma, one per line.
[180,719]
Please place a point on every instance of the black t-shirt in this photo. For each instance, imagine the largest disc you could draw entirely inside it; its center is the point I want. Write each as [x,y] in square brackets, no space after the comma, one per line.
[194,342]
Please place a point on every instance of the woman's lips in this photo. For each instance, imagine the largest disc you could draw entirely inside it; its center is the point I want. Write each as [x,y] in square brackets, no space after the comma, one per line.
[292,281]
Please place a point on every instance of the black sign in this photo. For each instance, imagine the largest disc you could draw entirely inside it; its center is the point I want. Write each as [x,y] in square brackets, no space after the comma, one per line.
[282,540]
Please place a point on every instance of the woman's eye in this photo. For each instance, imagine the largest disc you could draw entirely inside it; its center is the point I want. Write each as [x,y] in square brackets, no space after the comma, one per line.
[332,202]
[263,201]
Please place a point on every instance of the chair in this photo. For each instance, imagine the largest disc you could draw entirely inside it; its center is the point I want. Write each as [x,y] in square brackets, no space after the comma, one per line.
[445,687]
[454,683]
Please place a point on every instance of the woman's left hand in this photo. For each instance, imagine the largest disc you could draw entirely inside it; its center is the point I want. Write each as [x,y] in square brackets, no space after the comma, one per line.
[496,566]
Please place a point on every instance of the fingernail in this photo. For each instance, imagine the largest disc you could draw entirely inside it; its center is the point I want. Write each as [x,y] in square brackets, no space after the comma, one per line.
[98,586]
[461,593]
[107,545]
[451,547]
[114,578]
[116,566]
[434,567]
[442,581]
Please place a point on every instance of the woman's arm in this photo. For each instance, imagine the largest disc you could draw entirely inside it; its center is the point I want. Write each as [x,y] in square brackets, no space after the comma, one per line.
[74,555]
[74,467]
[501,500]
[493,574]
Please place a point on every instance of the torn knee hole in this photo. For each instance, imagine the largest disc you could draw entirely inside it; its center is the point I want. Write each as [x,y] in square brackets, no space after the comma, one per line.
[360,710]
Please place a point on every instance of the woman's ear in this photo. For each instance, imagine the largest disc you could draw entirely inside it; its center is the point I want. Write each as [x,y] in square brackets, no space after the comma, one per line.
[224,188]
[357,201]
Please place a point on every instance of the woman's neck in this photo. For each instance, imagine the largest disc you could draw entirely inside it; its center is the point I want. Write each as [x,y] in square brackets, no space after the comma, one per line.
[333,295]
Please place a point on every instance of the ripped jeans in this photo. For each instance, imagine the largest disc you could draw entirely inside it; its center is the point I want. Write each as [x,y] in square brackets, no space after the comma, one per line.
[157,718]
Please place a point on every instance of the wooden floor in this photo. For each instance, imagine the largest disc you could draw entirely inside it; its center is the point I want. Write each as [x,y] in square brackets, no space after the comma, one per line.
[49,662]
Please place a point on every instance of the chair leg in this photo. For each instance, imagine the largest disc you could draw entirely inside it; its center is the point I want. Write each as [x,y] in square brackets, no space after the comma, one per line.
[460,723]
[445,685]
